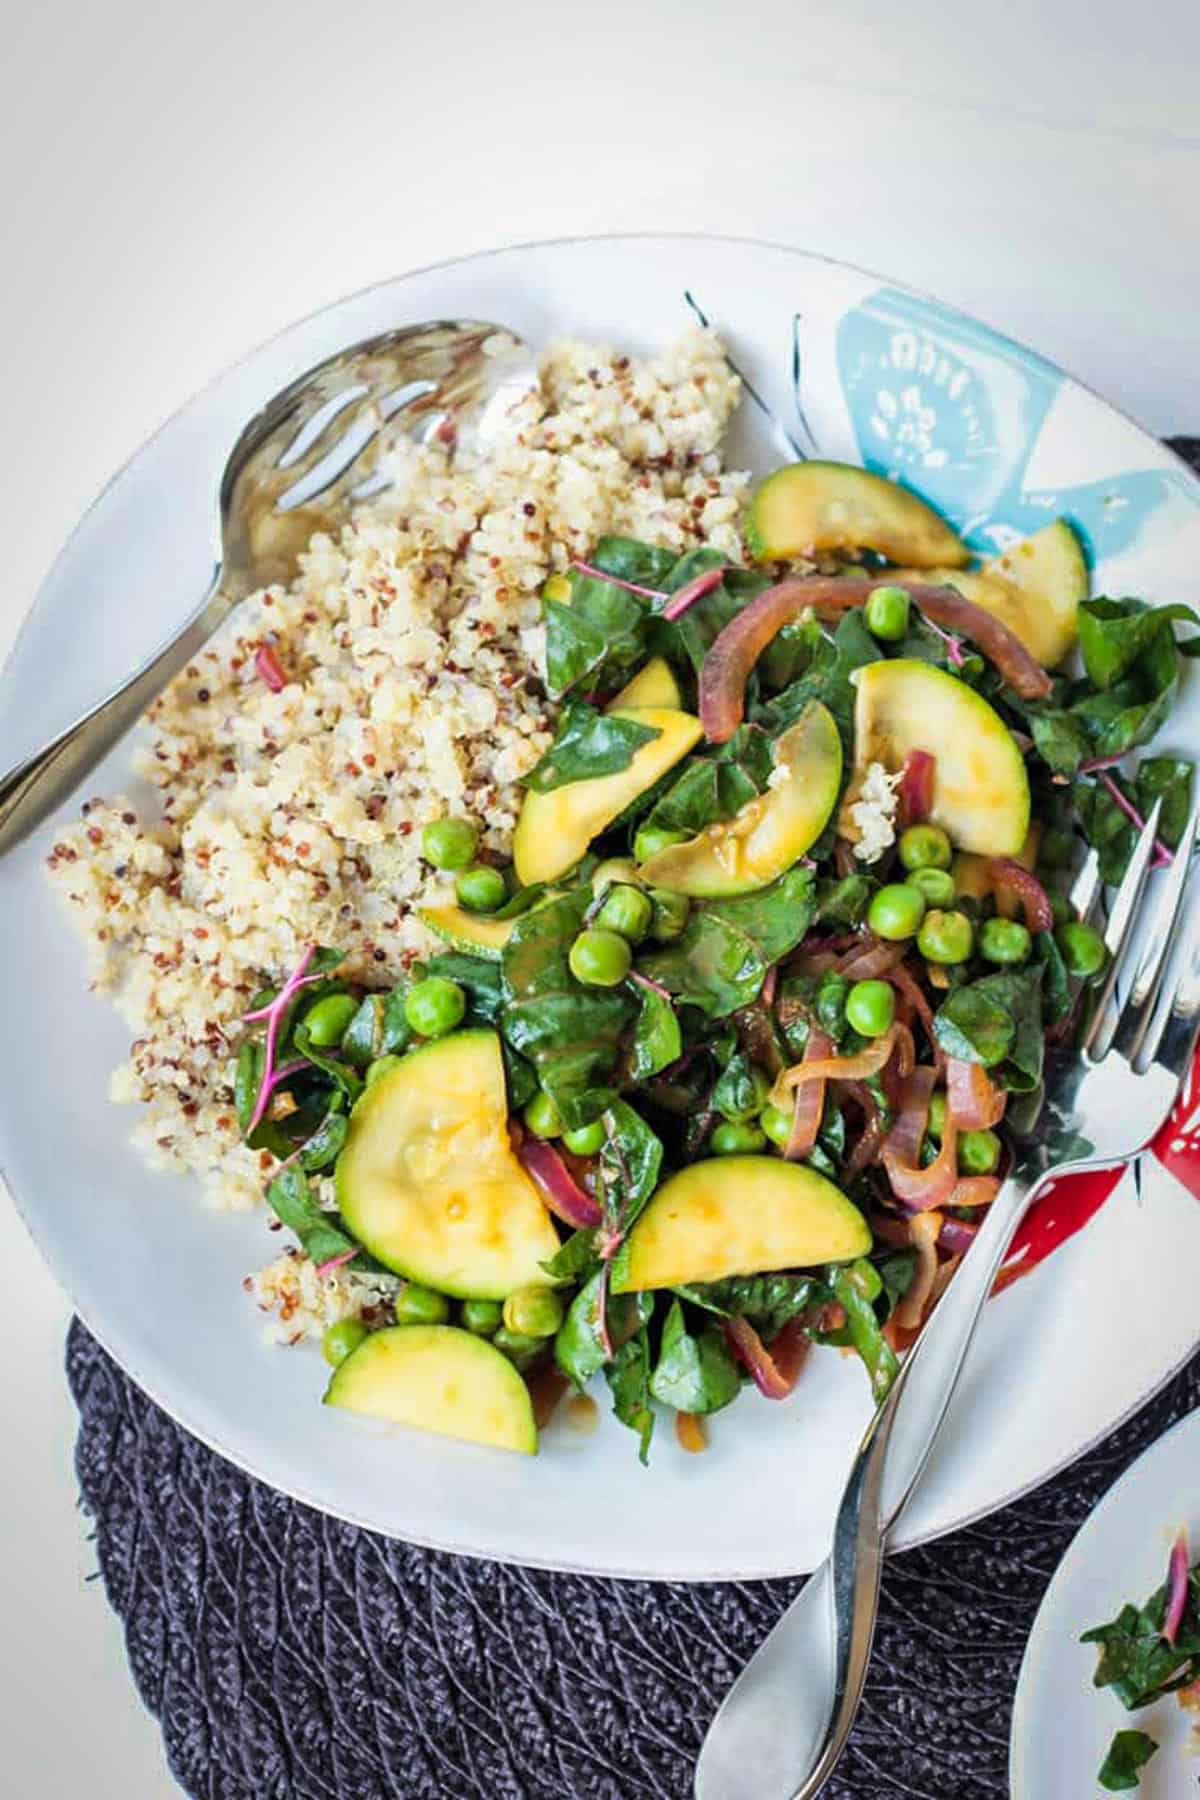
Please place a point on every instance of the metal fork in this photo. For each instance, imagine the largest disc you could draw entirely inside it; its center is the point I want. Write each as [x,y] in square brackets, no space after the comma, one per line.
[782,1727]
[320,445]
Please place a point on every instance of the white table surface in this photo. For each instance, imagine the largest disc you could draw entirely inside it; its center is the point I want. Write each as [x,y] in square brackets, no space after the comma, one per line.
[181,181]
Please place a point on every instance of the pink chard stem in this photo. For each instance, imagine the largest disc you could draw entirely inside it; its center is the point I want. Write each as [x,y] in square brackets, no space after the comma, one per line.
[1162,856]
[631,587]
[274,1015]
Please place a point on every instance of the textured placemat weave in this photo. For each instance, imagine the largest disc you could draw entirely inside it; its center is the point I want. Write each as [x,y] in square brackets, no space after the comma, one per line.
[291,1657]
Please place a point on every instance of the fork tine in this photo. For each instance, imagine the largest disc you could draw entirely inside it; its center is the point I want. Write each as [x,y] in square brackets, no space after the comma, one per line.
[1170,1037]
[1141,1005]
[1098,1036]
[1085,889]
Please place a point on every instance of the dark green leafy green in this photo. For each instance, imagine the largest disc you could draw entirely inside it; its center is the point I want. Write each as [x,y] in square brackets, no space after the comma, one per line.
[320,1233]
[1128,1755]
[713,966]
[364,1034]
[630,1164]
[570,1033]
[1056,987]
[695,1373]
[827,678]
[588,743]
[844,902]
[339,1073]
[628,1377]
[478,977]
[997,1022]
[598,636]
[768,1301]
[1136,1660]
[579,1347]
[1108,827]
[323,1148]
[657,1039]
[629,559]
[577,1255]
[858,1292]
[688,639]
[397,1034]
[1114,634]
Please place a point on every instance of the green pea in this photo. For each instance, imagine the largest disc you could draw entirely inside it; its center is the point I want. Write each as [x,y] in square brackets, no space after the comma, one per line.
[483,1317]
[611,870]
[1083,949]
[543,1117]
[896,912]
[326,1020]
[1004,941]
[585,1140]
[481,889]
[925,847]
[945,937]
[600,958]
[776,1124]
[533,1312]
[670,915]
[936,1123]
[1056,849]
[937,886]
[978,1152]
[870,1007]
[737,1139]
[653,838]
[340,1340]
[886,613]
[435,1006]
[417,1305]
[628,911]
[383,1065]
[519,1349]
[449,843]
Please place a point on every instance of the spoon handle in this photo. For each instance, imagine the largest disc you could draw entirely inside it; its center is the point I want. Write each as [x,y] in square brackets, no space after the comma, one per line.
[36,787]
[784,1723]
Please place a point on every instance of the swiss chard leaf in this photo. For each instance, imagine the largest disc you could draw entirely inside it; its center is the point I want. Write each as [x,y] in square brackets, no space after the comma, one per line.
[1108,827]
[363,1036]
[857,1294]
[768,1300]
[629,559]
[1128,1755]
[1136,1660]
[713,966]
[570,1033]
[628,1377]
[827,678]
[657,1039]
[320,1233]
[630,1161]
[694,1373]
[588,743]
[478,977]
[689,638]
[575,1257]
[1059,738]
[340,1073]
[579,1346]
[1136,707]
[997,1022]
[323,1148]
[844,902]
[396,1034]
[603,629]
[775,918]
[1114,634]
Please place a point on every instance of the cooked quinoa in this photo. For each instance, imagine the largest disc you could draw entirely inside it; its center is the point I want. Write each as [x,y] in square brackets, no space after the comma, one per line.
[412,646]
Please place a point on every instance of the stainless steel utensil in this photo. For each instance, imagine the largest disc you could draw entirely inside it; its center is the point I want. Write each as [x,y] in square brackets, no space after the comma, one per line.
[782,1727]
[318,446]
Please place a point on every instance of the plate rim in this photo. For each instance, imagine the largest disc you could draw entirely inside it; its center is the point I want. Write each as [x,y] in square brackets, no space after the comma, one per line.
[177,1410]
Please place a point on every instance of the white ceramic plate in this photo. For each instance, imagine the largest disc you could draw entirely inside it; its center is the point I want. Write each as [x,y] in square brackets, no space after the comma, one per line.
[1001,441]
[1062,1726]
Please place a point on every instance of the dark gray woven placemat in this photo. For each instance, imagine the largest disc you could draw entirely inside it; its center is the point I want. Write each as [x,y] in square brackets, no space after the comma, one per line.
[292,1657]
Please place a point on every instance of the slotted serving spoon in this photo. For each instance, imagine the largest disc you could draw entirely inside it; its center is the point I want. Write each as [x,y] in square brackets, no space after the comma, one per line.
[319,446]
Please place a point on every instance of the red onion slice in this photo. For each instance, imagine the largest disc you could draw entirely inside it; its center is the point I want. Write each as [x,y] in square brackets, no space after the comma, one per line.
[558,1187]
